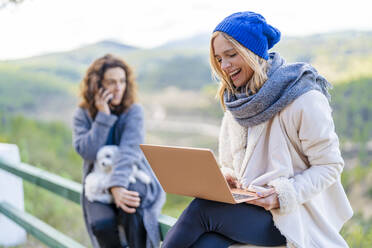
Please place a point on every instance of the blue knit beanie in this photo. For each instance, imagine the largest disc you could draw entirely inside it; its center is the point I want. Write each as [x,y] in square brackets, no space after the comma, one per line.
[251,30]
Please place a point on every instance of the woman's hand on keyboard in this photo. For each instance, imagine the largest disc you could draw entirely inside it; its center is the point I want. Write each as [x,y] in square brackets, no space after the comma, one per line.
[232,181]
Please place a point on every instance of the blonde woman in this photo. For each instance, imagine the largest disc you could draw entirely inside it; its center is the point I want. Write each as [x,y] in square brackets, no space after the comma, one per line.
[277,138]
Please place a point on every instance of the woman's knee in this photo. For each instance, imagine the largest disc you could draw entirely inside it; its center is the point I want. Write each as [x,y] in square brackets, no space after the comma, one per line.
[199,204]
[103,226]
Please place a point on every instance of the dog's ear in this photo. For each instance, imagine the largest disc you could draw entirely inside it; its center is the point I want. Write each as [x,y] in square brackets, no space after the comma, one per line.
[111,148]
[101,151]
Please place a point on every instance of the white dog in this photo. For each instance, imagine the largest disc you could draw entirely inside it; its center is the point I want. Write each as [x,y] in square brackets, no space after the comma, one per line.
[98,179]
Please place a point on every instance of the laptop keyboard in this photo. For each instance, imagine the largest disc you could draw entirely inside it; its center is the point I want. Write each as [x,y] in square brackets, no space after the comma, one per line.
[240,196]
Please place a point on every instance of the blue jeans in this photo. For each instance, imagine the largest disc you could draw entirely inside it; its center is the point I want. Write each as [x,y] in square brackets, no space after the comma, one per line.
[214,224]
[105,218]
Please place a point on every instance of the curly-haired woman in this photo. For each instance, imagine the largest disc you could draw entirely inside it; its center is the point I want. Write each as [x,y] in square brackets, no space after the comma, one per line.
[109,115]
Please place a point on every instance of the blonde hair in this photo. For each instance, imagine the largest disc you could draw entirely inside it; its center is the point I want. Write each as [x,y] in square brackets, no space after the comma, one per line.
[255,62]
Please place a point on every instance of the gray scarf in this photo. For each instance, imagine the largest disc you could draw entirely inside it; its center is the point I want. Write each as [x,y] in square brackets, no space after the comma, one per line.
[285,83]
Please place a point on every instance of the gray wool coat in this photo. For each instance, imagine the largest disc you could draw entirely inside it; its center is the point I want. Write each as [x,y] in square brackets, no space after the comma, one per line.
[90,135]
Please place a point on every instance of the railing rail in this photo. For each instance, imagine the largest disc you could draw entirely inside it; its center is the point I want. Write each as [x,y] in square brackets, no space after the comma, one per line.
[37,228]
[63,187]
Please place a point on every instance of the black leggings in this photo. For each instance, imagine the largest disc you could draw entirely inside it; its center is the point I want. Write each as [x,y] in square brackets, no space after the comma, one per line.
[214,224]
[105,218]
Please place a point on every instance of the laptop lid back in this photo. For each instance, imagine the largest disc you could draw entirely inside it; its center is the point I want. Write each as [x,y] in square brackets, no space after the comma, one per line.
[188,171]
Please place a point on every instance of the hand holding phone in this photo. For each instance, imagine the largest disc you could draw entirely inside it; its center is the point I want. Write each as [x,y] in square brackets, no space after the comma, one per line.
[102,99]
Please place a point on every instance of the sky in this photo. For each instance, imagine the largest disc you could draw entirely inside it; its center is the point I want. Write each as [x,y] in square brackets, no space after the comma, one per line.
[42,26]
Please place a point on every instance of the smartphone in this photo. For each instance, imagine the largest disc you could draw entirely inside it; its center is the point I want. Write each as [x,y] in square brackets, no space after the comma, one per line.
[101,86]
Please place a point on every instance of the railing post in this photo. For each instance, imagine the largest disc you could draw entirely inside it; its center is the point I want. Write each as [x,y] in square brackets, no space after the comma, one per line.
[11,190]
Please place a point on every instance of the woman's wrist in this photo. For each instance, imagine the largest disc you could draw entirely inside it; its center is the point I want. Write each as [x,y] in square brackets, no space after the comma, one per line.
[104,110]
[112,189]
[286,195]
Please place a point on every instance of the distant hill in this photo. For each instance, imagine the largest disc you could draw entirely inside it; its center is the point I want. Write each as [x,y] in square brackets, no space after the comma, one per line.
[340,57]
[70,65]
[199,42]
[83,55]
